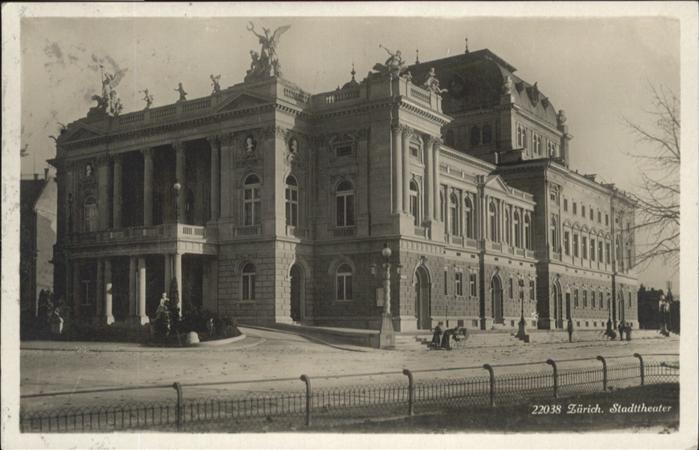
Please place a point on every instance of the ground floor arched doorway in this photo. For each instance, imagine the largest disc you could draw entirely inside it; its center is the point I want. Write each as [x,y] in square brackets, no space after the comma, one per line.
[297,293]
[423,306]
[496,295]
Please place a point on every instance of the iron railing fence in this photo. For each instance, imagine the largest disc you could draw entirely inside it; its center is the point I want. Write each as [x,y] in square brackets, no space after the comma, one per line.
[291,410]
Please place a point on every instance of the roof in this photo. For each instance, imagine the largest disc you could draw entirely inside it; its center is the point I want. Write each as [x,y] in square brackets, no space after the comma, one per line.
[475,80]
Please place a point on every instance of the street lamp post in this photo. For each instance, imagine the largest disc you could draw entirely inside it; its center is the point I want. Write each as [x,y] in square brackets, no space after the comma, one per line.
[663,313]
[522,331]
[386,331]
[177,187]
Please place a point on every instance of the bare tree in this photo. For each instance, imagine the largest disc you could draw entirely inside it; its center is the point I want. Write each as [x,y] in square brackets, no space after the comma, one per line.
[657,197]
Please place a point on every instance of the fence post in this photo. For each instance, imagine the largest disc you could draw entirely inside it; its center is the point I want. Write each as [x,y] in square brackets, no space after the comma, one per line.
[178,411]
[643,372]
[411,392]
[307,380]
[604,372]
[490,370]
[552,363]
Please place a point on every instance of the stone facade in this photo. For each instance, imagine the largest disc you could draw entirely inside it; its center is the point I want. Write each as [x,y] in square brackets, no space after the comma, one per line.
[273,205]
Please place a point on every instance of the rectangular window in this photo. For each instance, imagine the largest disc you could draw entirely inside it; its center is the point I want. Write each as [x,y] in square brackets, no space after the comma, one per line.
[582,211]
[576,252]
[606,219]
[599,216]
[592,213]
[592,249]
[600,252]
[575,208]
[565,204]
[593,301]
[584,298]
[446,283]
[607,251]
[566,242]
[415,152]
[584,247]
[532,290]
[575,299]
[343,150]
[459,283]
[472,284]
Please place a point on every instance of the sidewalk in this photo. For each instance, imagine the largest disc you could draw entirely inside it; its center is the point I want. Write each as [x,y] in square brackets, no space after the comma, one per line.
[104,347]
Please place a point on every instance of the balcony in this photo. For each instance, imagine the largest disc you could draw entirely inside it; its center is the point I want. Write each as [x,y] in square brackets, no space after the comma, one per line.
[421,231]
[196,237]
[497,246]
[301,233]
[343,231]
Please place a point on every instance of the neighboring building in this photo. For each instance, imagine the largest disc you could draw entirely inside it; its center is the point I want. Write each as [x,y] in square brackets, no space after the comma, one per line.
[37,237]
[286,199]
[654,307]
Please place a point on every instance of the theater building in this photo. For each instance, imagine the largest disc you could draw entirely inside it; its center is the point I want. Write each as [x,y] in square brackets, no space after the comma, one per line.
[272,205]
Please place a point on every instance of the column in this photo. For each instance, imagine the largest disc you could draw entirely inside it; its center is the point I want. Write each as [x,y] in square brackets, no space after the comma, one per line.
[132,287]
[99,290]
[215,174]
[397,170]
[436,177]
[178,277]
[148,187]
[429,197]
[116,194]
[103,194]
[107,313]
[180,175]
[142,318]
[167,264]
[406,170]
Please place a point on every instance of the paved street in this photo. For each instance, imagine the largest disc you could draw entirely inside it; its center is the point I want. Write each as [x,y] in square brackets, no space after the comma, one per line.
[66,366]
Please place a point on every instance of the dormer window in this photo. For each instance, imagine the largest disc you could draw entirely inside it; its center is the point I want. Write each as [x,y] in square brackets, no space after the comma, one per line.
[475,135]
[487,134]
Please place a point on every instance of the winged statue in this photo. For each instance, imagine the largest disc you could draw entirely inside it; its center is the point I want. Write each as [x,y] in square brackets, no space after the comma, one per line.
[267,61]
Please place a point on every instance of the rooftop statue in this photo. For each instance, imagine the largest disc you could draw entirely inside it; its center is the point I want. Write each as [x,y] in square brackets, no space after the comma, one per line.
[394,65]
[108,103]
[266,63]
[507,85]
[215,84]
[148,98]
[183,94]
[432,83]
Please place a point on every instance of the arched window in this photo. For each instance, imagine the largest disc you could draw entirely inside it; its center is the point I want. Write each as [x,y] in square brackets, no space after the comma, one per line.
[468,210]
[519,136]
[475,135]
[415,203]
[508,227]
[90,214]
[493,220]
[487,134]
[524,138]
[554,234]
[442,205]
[454,215]
[527,232]
[344,202]
[344,282]
[248,282]
[251,201]
[292,201]
[518,230]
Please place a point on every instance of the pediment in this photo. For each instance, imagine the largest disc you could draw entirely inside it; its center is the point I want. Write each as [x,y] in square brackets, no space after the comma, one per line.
[79,133]
[495,182]
[242,101]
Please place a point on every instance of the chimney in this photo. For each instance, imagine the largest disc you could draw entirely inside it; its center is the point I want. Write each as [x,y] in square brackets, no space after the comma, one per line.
[46,173]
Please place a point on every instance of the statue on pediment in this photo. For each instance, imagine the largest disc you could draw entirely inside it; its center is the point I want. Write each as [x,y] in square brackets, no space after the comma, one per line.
[266,63]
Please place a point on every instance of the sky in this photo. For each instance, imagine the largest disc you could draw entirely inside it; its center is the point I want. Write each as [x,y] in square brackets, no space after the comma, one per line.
[596,69]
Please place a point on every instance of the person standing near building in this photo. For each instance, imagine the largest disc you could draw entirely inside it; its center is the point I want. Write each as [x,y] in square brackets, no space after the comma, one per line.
[570,330]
